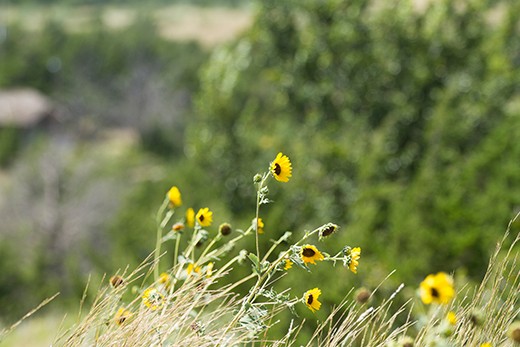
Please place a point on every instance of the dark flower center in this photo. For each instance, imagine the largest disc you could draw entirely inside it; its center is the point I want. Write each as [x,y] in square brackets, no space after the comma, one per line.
[201,218]
[277,168]
[308,252]
[435,293]
[122,320]
[329,230]
[310,299]
[515,335]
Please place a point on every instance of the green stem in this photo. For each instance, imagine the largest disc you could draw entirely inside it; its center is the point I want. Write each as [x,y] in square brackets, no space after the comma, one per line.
[159,236]
[215,253]
[176,252]
[206,250]
[253,293]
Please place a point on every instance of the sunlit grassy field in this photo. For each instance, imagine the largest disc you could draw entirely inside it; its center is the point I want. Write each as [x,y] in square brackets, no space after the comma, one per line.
[187,306]
[399,122]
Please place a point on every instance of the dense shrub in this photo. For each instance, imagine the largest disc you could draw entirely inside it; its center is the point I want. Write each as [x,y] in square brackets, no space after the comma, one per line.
[407,117]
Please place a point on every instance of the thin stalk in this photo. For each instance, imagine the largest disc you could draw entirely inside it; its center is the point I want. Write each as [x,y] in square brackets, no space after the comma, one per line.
[215,253]
[259,199]
[159,236]
[212,242]
[176,251]
[253,293]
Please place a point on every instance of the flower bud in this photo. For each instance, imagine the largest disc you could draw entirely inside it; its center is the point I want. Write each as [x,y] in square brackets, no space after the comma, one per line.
[225,229]
[257,178]
[178,227]
[362,295]
[476,317]
[116,281]
[514,331]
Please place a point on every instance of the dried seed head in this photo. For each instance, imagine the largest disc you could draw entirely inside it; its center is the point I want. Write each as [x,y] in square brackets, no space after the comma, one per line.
[476,317]
[362,295]
[178,227]
[514,331]
[116,281]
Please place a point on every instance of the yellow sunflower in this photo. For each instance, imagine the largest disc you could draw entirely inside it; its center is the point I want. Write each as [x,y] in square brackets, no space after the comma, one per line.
[190,217]
[260,225]
[288,264]
[309,254]
[281,168]
[122,315]
[164,279]
[209,270]
[355,254]
[437,288]
[204,217]
[192,268]
[174,195]
[152,299]
[486,344]
[451,317]
[311,299]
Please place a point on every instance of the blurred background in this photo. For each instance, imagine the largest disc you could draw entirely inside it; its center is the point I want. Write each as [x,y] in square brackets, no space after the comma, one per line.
[401,119]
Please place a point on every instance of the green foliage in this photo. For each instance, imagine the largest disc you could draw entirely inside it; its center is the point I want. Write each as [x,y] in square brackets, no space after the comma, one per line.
[406,118]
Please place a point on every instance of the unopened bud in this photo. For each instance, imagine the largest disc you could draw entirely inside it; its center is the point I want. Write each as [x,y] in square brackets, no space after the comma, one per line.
[514,331]
[362,295]
[476,317]
[225,229]
[116,281]
[178,227]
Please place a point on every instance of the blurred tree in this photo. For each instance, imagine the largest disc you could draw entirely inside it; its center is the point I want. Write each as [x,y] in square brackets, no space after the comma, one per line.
[402,118]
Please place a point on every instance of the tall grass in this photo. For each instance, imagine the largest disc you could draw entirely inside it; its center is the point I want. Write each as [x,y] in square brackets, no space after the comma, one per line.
[188,306]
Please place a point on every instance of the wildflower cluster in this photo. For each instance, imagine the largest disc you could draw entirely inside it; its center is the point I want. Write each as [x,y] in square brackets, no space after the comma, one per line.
[197,262]
[171,305]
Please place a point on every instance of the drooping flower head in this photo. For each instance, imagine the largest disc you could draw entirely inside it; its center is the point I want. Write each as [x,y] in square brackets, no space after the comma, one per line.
[174,195]
[310,254]
[311,299]
[437,288]
[122,315]
[204,217]
[190,217]
[153,299]
[355,254]
[327,230]
[281,168]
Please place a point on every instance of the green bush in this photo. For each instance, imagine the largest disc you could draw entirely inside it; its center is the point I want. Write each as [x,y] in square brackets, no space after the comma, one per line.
[406,118]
